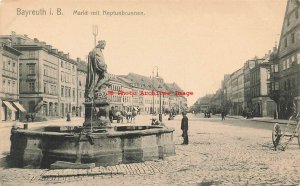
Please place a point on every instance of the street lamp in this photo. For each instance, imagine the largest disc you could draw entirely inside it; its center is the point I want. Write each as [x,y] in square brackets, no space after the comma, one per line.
[156,67]
[160,109]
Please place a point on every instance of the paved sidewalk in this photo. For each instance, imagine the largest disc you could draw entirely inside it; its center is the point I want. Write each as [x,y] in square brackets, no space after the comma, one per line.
[261,119]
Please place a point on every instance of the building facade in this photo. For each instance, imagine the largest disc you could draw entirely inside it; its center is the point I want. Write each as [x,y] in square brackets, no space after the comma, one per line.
[285,63]
[10,107]
[261,104]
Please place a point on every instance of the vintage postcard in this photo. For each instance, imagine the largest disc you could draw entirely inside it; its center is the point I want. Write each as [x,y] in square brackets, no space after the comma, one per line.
[196,92]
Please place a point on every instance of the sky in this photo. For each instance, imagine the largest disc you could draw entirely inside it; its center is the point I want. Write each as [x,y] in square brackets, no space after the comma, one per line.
[193,43]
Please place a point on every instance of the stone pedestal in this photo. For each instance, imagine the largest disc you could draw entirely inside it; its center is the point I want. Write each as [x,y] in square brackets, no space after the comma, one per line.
[97,114]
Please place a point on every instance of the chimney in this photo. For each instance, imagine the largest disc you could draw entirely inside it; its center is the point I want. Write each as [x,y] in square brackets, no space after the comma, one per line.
[26,35]
[49,47]
[35,40]
[60,53]
[54,50]
[78,59]
[66,56]
[43,43]
[270,51]
[13,33]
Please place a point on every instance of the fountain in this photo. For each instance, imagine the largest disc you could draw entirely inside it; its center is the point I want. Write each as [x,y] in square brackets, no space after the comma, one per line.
[95,142]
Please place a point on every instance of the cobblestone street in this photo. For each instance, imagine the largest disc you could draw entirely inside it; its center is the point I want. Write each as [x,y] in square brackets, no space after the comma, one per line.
[218,154]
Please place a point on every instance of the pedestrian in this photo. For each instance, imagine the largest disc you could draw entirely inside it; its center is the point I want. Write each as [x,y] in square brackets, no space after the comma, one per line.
[223,115]
[184,128]
[68,116]
[27,117]
[32,117]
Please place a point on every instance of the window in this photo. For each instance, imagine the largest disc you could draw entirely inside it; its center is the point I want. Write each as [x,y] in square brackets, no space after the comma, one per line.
[73,94]
[13,67]
[8,65]
[20,69]
[31,86]
[288,84]
[290,62]
[288,21]
[276,68]
[293,83]
[13,86]
[31,69]
[8,86]
[31,54]
[45,87]
[4,84]
[62,91]
[61,76]
[62,64]
[296,14]
[293,37]
[285,42]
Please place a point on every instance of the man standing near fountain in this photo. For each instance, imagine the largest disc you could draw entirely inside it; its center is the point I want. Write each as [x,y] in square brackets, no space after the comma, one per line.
[184,128]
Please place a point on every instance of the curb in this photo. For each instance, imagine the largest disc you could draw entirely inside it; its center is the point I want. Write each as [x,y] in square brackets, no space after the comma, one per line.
[258,120]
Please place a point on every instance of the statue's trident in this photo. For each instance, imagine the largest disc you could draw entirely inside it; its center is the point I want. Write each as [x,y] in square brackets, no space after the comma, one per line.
[95,33]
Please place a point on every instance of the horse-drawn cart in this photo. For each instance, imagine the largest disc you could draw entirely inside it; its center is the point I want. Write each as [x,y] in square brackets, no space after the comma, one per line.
[281,138]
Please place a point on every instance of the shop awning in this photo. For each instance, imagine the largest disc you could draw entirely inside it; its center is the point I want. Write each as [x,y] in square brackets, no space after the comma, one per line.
[19,106]
[9,105]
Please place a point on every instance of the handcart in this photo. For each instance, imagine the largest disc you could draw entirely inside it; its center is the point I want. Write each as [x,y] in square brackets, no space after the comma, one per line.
[281,138]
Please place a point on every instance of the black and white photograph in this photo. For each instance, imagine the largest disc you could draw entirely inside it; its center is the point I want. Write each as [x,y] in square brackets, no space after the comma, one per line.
[153,92]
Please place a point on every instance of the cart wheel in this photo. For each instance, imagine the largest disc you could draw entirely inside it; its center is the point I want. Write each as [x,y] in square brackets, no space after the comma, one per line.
[276,134]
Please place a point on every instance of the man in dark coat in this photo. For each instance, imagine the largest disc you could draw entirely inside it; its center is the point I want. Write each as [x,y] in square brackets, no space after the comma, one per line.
[184,128]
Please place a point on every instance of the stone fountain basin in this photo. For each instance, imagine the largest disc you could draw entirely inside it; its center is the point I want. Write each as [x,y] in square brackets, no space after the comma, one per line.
[40,147]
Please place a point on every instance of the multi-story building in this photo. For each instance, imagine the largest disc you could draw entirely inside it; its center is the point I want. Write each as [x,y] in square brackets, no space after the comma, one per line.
[47,78]
[152,103]
[250,64]
[67,84]
[261,104]
[237,87]
[177,103]
[81,81]
[285,68]
[116,98]
[10,108]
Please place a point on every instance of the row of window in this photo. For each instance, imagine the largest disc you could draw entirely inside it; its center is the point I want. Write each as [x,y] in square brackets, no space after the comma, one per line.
[116,87]
[289,84]
[9,86]
[295,15]
[68,78]
[286,39]
[50,88]
[9,64]
[255,76]
[288,62]
[126,99]
[67,65]
[66,92]
[115,98]
[255,91]
[50,71]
